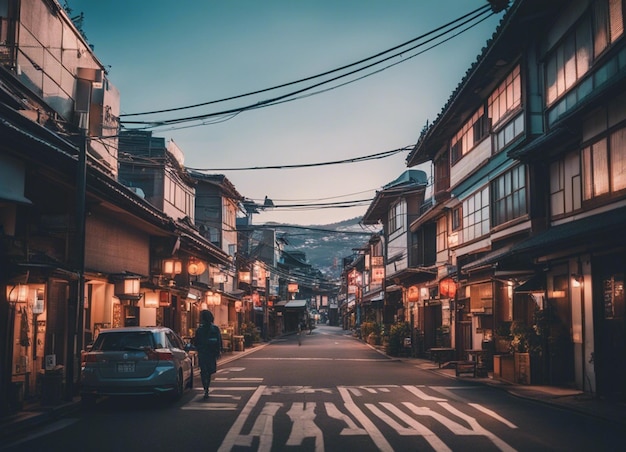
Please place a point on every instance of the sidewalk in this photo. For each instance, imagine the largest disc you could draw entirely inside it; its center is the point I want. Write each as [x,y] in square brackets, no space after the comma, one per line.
[34,414]
[561,397]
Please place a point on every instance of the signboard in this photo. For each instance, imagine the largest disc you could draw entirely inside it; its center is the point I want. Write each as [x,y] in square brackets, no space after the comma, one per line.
[164,299]
[51,362]
[378,274]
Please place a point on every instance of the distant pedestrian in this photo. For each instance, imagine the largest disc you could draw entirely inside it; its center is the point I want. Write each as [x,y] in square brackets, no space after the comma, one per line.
[208,342]
[299,333]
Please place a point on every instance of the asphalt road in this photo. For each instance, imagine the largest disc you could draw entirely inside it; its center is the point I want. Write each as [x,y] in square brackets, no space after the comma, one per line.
[331,393]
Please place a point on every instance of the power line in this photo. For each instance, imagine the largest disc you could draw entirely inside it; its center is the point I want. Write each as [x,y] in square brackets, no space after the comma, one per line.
[275,100]
[377,156]
[482,9]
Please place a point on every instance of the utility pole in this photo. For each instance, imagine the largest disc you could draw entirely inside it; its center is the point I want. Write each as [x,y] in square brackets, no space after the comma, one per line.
[266,314]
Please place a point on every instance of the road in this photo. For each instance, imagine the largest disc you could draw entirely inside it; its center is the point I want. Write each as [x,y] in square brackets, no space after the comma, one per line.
[331,393]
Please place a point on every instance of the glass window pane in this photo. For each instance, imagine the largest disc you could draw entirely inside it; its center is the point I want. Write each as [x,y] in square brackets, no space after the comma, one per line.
[618,160]
[600,168]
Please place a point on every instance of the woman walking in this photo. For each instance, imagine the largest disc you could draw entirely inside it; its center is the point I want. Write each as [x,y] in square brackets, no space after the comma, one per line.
[208,342]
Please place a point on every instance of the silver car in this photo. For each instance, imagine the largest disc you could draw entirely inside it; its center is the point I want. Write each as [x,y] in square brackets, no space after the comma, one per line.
[135,361]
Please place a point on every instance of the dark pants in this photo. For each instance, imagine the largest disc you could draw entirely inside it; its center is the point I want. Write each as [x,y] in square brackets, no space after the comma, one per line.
[208,366]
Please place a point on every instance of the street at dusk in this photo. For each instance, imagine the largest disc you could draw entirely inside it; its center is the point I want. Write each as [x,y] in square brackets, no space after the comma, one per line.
[312,225]
[332,393]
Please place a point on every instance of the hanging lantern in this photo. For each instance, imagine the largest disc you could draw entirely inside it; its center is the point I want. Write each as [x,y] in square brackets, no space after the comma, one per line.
[447,288]
[17,294]
[413,294]
[292,287]
[172,267]
[195,267]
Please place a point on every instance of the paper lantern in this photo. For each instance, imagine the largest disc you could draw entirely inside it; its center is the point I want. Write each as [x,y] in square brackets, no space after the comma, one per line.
[447,288]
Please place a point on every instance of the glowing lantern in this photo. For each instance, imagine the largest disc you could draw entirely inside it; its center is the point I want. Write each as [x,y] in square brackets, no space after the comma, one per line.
[447,288]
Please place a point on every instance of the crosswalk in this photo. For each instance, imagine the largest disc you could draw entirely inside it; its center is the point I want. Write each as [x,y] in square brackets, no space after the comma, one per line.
[432,413]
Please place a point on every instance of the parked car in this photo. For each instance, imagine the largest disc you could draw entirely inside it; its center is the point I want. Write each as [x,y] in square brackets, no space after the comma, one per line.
[135,361]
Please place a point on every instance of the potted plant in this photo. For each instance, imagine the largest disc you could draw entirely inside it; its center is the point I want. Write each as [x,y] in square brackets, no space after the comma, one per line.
[502,339]
[526,344]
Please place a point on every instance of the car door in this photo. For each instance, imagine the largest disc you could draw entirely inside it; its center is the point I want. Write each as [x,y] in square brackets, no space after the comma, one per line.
[177,347]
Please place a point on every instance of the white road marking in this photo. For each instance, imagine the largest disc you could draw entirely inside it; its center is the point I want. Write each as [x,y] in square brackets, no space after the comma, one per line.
[230,369]
[368,425]
[263,428]
[234,432]
[303,416]
[422,395]
[210,406]
[493,414]
[238,379]
[416,428]
[458,429]
[352,429]
[303,425]
[231,388]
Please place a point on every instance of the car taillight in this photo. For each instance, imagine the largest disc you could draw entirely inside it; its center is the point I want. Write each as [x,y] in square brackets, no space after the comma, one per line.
[160,355]
[89,358]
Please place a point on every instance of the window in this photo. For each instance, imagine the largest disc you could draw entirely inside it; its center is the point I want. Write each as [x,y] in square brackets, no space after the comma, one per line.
[509,196]
[505,98]
[569,61]
[608,24]
[573,57]
[476,215]
[604,163]
[471,133]
[456,218]
[396,217]
[442,234]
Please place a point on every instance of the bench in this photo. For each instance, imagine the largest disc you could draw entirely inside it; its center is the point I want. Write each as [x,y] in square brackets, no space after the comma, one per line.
[441,354]
[466,367]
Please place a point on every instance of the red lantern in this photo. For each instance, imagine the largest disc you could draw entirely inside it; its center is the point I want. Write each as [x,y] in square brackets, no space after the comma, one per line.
[447,288]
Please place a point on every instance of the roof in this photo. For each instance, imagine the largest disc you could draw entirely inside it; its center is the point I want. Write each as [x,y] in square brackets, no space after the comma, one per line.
[594,227]
[295,304]
[408,183]
[496,59]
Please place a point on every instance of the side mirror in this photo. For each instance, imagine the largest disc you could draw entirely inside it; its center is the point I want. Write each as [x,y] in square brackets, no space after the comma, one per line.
[189,347]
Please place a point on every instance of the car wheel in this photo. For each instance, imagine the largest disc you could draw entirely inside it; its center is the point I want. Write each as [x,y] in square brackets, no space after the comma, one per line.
[180,384]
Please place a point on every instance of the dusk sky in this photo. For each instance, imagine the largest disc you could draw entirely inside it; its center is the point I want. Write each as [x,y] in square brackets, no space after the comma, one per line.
[164,54]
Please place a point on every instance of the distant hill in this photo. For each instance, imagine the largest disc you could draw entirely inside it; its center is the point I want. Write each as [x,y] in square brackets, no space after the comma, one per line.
[325,246]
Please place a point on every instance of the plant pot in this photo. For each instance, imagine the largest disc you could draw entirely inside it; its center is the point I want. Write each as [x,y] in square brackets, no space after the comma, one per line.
[522,368]
[502,345]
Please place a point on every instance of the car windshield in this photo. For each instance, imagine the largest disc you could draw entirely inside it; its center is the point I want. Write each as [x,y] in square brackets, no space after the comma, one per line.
[124,340]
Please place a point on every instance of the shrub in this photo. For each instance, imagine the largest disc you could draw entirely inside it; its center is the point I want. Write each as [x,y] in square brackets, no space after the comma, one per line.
[368,328]
[397,333]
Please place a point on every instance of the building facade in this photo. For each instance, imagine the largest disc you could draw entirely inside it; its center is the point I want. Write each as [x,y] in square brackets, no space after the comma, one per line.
[527,161]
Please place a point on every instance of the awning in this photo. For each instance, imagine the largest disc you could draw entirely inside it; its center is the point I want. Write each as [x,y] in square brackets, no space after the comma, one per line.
[295,304]
[534,284]
[606,226]
[393,288]
[488,259]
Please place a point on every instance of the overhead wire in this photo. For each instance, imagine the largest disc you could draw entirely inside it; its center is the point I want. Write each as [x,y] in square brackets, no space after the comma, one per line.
[376,156]
[482,9]
[275,100]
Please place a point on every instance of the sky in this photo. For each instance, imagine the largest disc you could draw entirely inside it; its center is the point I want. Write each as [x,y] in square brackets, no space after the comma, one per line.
[162,55]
